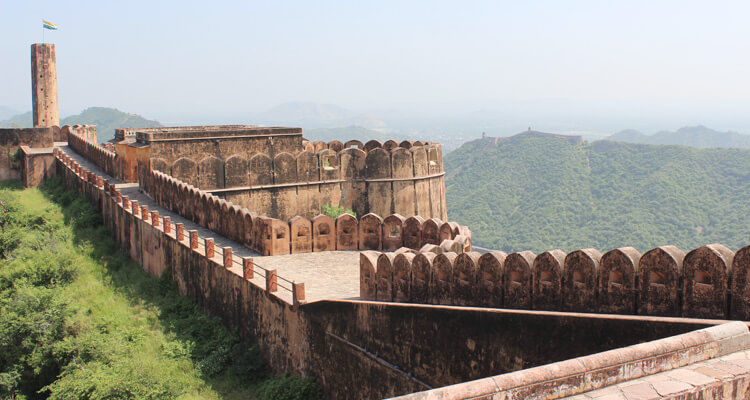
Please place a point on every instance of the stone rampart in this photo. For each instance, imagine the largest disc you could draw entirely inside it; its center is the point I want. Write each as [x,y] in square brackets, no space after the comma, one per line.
[87,132]
[404,178]
[272,236]
[708,282]
[101,157]
[396,348]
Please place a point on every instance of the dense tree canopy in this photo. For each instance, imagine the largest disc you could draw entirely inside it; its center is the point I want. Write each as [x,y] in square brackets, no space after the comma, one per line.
[541,193]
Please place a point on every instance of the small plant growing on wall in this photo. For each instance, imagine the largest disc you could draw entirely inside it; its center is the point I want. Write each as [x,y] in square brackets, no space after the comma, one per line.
[335,211]
[15,159]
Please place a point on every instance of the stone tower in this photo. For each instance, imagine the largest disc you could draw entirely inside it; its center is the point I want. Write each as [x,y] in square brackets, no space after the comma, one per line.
[44,85]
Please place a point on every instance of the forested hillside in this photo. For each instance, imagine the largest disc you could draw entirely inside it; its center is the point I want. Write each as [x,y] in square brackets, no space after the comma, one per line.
[541,193]
[696,136]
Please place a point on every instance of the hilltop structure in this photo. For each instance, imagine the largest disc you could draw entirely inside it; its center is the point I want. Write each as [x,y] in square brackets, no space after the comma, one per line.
[232,214]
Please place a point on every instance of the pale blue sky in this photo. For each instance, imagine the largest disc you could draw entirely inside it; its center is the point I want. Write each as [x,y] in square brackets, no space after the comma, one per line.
[671,62]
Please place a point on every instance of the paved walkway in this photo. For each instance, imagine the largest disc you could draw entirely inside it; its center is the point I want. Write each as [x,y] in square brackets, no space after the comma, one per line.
[327,275]
[677,383]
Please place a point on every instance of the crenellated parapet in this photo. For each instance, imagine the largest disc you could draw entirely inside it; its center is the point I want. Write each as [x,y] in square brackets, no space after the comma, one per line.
[406,178]
[707,282]
[124,217]
[272,236]
[103,158]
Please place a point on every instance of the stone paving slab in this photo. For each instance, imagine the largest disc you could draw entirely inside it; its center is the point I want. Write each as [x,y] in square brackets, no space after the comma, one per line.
[678,383]
[330,275]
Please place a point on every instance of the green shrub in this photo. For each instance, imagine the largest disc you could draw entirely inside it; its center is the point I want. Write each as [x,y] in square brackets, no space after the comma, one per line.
[289,387]
[335,211]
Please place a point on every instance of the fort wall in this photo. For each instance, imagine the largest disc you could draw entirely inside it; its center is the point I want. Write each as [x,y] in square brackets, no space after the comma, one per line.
[707,282]
[393,179]
[273,236]
[396,347]
[11,155]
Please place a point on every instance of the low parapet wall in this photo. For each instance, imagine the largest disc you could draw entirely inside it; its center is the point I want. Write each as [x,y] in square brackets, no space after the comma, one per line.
[708,282]
[101,157]
[583,374]
[271,236]
[87,132]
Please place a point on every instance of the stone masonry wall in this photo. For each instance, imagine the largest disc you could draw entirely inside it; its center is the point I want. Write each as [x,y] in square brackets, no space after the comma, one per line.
[404,178]
[11,140]
[271,236]
[707,282]
[396,348]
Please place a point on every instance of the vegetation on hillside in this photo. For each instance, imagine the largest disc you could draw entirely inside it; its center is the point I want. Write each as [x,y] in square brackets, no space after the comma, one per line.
[534,193]
[80,320]
[695,136]
[105,119]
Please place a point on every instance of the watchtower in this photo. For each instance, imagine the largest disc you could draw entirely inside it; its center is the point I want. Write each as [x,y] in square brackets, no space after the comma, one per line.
[44,85]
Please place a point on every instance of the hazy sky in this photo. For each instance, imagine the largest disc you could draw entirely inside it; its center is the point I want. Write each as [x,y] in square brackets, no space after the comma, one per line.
[677,62]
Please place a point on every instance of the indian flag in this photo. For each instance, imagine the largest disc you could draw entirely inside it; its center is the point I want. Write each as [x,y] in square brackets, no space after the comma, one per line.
[49,25]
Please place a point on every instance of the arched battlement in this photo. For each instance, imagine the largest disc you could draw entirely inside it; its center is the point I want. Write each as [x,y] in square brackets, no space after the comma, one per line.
[716,280]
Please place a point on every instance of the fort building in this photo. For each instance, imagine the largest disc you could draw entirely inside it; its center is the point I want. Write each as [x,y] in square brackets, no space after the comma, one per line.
[393,301]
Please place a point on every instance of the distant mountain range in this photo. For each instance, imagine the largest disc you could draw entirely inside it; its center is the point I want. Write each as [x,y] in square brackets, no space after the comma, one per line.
[538,192]
[105,119]
[695,136]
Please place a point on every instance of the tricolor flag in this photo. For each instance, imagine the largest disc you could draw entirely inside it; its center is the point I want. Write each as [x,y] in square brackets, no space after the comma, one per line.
[49,25]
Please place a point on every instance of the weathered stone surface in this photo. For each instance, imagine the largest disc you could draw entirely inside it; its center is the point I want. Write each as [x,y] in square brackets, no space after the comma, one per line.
[275,236]
[390,145]
[370,232]
[402,277]
[44,85]
[448,230]
[393,232]
[617,281]
[347,233]
[324,233]
[547,282]
[301,235]
[368,261]
[379,189]
[490,279]
[421,278]
[211,173]
[706,271]
[372,144]
[441,287]
[384,274]
[412,232]
[236,170]
[580,279]
[518,281]
[261,170]
[740,284]
[431,231]
[466,288]
[659,273]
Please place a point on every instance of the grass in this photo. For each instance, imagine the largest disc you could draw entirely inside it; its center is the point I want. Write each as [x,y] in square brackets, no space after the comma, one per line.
[79,319]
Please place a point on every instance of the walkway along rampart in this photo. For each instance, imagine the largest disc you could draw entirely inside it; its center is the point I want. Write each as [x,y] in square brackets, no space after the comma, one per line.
[357,349]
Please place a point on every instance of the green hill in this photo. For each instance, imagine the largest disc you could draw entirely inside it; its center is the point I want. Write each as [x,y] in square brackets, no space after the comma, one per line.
[539,193]
[105,119]
[696,136]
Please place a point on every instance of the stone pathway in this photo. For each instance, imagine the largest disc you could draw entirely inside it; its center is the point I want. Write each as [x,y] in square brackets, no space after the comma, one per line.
[326,275]
[680,382]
